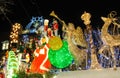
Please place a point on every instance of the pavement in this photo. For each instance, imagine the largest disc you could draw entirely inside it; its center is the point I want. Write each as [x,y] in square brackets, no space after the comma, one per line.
[90,73]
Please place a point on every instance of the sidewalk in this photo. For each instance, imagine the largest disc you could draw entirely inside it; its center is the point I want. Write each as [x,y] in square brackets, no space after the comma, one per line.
[103,73]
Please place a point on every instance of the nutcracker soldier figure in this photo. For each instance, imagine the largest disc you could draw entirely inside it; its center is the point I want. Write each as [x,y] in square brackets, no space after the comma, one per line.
[55,27]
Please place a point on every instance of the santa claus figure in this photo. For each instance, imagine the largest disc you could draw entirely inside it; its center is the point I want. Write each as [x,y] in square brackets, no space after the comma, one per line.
[41,63]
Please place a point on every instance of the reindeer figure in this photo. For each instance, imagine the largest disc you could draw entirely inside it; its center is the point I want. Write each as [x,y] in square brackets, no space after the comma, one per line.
[108,40]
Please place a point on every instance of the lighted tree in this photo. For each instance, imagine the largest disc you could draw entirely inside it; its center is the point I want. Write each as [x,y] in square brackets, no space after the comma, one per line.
[14,35]
[12,64]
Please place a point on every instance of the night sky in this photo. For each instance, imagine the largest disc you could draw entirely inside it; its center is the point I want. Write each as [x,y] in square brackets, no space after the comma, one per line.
[21,11]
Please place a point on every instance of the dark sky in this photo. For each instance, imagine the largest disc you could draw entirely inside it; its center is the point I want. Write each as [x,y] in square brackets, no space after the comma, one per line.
[70,11]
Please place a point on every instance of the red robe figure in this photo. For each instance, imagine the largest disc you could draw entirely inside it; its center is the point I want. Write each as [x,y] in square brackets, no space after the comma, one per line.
[55,27]
[49,32]
[40,64]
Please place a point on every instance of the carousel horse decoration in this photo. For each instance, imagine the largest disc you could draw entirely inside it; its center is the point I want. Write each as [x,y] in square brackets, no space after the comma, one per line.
[74,38]
[109,41]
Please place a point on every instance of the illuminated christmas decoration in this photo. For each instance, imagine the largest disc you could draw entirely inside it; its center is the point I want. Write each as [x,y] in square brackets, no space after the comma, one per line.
[49,32]
[14,35]
[27,57]
[36,21]
[94,61]
[46,21]
[109,41]
[74,37]
[12,64]
[61,58]
[40,64]
[25,39]
[76,50]
[5,45]
[55,27]
[44,40]
[34,26]
[55,43]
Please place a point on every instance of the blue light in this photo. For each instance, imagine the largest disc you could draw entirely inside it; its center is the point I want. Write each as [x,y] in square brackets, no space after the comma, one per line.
[32,30]
[35,20]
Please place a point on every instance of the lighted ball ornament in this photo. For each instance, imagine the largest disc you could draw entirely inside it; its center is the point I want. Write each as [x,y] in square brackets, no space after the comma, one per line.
[55,43]
[60,58]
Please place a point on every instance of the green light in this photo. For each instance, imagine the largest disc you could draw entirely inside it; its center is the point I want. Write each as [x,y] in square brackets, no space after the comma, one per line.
[12,64]
[60,58]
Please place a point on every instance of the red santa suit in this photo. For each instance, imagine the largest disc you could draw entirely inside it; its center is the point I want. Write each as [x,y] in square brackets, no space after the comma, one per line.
[40,64]
[49,32]
[55,27]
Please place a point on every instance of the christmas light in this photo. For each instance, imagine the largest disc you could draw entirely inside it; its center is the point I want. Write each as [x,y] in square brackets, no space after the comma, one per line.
[60,58]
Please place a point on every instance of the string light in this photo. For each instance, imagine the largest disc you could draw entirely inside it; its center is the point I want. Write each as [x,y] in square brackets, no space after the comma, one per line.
[12,64]
[15,32]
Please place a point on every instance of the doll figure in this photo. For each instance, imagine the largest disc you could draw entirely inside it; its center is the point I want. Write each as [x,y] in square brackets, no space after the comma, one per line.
[55,27]
[46,21]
